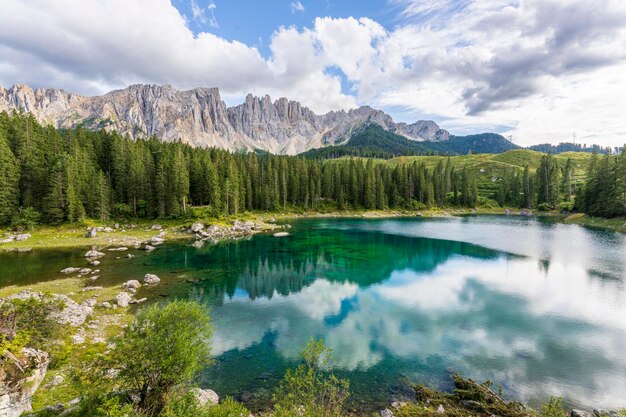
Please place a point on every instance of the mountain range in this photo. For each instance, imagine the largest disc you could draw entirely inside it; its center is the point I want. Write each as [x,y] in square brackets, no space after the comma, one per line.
[201,118]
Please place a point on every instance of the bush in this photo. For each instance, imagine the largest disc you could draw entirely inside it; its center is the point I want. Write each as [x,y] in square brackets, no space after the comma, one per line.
[553,408]
[309,390]
[184,404]
[122,211]
[28,322]
[26,218]
[566,206]
[167,345]
[544,207]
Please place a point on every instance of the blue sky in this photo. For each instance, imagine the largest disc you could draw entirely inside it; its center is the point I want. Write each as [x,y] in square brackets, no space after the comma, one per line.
[254,21]
[538,70]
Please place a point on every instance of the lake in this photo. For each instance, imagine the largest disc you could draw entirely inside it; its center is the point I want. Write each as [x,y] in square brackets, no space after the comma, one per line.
[538,308]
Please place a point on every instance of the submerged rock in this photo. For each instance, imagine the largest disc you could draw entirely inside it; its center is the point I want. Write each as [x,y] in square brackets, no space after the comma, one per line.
[151,279]
[120,249]
[70,270]
[149,248]
[93,254]
[281,234]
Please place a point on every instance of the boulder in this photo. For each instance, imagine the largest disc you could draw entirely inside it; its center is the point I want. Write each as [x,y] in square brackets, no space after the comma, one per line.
[116,226]
[205,396]
[151,279]
[196,227]
[107,230]
[156,240]
[73,314]
[22,236]
[123,299]
[440,409]
[20,380]
[149,248]
[92,232]
[133,283]
[281,234]
[85,271]
[386,413]
[156,227]
[93,254]
[70,270]
[120,249]
[94,263]
[78,339]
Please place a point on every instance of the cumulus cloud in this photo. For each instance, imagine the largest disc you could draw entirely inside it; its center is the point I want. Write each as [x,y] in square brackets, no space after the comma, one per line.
[536,69]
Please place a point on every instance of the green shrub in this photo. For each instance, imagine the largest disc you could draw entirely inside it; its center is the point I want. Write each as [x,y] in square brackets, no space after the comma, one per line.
[122,211]
[543,207]
[26,218]
[553,408]
[309,390]
[184,404]
[28,322]
[166,346]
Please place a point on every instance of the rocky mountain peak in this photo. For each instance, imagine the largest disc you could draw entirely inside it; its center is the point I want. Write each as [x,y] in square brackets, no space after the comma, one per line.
[200,117]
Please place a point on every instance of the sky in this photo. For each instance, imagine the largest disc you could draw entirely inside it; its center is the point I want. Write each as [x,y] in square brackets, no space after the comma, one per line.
[535,70]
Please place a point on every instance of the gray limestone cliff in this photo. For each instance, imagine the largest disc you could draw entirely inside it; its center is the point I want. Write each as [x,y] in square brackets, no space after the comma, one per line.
[200,117]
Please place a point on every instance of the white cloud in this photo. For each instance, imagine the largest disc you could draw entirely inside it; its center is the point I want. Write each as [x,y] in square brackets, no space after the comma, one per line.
[539,70]
[296,6]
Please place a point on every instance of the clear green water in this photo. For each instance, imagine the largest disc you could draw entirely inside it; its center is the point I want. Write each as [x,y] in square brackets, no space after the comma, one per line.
[539,308]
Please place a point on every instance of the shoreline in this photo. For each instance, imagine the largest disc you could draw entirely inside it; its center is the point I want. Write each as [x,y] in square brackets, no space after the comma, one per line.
[134,234]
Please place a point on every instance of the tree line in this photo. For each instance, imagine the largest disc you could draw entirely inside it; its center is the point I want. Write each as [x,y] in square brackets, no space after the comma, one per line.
[54,176]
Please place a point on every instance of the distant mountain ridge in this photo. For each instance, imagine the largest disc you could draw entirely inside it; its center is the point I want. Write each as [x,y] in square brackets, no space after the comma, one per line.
[375,142]
[200,117]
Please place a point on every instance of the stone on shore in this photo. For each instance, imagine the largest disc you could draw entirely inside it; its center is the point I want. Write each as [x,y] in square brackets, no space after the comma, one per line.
[20,380]
[93,254]
[70,270]
[156,240]
[123,299]
[133,283]
[205,396]
[22,237]
[197,227]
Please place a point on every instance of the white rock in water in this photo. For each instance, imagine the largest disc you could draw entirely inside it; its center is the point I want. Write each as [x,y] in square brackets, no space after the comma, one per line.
[84,271]
[94,263]
[151,279]
[120,249]
[123,299]
[93,254]
[281,234]
[149,248]
[156,240]
[205,396]
[70,270]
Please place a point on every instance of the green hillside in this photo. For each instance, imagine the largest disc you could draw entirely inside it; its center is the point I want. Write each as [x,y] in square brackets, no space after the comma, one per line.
[490,167]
